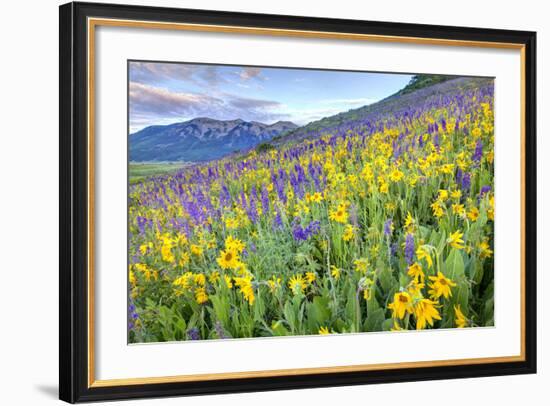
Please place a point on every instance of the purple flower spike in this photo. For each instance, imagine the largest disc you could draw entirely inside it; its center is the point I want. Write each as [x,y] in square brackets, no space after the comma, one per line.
[194,334]
[409,248]
[388,227]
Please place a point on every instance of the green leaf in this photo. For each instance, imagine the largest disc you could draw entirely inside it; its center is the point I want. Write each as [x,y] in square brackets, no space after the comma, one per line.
[374,320]
[318,312]
[454,265]
[279,329]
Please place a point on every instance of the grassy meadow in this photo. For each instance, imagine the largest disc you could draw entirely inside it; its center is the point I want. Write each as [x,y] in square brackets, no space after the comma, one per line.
[380,224]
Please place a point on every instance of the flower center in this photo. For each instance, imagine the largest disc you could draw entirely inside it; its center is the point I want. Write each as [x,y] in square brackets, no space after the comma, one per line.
[443,282]
[403,299]
[228,256]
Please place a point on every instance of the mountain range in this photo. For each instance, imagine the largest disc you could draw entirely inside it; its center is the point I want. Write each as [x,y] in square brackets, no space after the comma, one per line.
[201,139]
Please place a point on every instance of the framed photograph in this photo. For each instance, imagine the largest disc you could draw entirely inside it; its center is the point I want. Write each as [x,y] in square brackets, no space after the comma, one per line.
[257,202]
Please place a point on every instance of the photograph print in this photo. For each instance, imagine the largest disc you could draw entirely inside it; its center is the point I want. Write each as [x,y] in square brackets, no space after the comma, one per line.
[268,201]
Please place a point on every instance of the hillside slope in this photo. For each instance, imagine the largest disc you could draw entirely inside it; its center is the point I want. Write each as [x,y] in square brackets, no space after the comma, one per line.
[397,104]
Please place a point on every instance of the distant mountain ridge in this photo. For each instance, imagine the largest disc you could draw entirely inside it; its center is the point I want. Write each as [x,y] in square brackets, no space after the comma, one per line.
[201,139]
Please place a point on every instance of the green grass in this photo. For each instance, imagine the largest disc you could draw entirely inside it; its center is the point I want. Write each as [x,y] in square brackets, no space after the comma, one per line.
[141,171]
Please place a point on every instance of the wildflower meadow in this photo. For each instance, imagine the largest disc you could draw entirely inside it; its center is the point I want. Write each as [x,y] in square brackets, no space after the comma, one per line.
[383,222]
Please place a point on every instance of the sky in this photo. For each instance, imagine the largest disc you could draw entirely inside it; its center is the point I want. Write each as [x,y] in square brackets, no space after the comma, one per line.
[166,93]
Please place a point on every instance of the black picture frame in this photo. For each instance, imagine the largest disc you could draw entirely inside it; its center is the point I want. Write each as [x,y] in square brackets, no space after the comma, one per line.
[74,200]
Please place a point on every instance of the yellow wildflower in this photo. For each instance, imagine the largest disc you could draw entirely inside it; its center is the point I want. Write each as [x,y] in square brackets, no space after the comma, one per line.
[339,215]
[361,265]
[485,249]
[415,272]
[196,249]
[297,284]
[440,286]
[473,213]
[348,233]
[423,253]
[245,285]
[234,244]
[335,272]
[228,259]
[425,311]
[460,321]
[200,295]
[455,240]
[402,303]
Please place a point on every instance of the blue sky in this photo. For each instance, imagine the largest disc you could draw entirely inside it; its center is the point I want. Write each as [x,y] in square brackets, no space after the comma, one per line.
[165,93]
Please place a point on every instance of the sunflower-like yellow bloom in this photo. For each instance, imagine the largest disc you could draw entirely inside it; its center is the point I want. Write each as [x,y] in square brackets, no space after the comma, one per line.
[335,272]
[415,271]
[234,244]
[274,283]
[425,311]
[297,284]
[396,175]
[324,330]
[473,213]
[485,250]
[461,321]
[409,223]
[423,253]
[200,295]
[455,240]
[440,286]
[245,286]
[196,249]
[228,259]
[361,265]
[340,215]
[348,233]
[458,209]
[402,303]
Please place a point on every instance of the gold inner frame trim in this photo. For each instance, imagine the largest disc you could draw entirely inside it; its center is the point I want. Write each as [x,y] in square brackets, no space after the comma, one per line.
[94,22]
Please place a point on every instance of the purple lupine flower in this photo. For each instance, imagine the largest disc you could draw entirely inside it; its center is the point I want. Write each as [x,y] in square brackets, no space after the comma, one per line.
[277,221]
[409,248]
[484,190]
[466,181]
[478,153]
[458,177]
[298,232]
[225,197]
[141,223]
[436,141]
[388,227]
[193,334]
[280,187]
[252,211]
[302,234]
[313,228]
[264,196]
[243,199]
